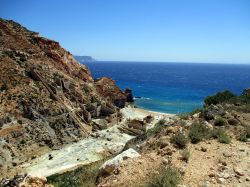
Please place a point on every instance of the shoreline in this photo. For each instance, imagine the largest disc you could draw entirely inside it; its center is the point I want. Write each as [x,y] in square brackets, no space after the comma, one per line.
[154,112]
[147,112]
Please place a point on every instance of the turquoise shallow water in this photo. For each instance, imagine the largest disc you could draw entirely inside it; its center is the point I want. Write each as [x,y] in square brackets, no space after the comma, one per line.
[173,87]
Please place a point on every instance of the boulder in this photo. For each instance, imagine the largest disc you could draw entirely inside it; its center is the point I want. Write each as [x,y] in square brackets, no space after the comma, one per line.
[129,95]
[233,121]
[137,124]
[100,124]
[212,111]
[94,109]
[109,166]
[148,119]
[131,131]
[32,73]
[86,115]
[106,111]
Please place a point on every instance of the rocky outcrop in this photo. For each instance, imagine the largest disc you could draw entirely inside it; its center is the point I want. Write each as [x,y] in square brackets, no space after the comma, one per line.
[133,127]
[109,166]
[47,99]
[246,91]
[130,97]
[107,88]
[212,111]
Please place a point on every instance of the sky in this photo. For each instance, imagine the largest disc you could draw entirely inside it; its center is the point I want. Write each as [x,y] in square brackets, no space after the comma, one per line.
[216,31]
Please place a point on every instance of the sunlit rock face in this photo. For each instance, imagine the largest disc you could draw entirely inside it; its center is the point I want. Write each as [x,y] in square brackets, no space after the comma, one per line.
[47,98]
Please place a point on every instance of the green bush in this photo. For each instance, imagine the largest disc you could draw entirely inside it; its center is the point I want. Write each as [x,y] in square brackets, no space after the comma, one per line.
[220,121]
[244,134]
[23,142]
[247,130]
[168,177]
[197,110]
[179,140]
[185,155]
[220,97]
[161,121]
[243,99]
[183,116]
[3,87]
[157,128]
[83,176]
[245,108]
[198,132]
[221,135]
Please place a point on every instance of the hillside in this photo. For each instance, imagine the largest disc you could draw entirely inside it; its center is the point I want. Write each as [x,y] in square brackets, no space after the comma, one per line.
[58,123]
[205,148]
[47,99]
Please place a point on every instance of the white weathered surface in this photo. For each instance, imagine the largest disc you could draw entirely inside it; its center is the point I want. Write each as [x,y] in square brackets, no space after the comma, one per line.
[89,150]
[81,153]
[111,164]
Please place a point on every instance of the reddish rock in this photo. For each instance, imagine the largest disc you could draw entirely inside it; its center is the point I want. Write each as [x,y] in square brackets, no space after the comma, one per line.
[47,99]
[107,88]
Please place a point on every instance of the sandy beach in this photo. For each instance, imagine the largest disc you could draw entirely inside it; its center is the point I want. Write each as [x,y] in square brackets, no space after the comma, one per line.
[134,112]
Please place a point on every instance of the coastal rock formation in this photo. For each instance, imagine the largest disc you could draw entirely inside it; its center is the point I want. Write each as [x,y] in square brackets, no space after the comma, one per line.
[129,94]
[47,99]
[83,59]
[107,88]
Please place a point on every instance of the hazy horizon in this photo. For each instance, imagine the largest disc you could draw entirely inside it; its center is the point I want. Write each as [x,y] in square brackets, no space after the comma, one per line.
[180,62]
[208,31]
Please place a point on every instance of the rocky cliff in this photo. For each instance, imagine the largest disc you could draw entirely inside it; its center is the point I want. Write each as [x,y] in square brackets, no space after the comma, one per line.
[47,99]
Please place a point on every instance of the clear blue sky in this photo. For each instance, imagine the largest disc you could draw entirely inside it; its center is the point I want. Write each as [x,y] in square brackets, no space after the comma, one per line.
[141,30]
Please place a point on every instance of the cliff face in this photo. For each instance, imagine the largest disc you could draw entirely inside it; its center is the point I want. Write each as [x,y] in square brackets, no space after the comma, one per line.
[47,98]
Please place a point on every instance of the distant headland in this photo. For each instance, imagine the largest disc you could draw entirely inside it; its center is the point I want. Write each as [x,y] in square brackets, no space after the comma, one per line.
[83,59]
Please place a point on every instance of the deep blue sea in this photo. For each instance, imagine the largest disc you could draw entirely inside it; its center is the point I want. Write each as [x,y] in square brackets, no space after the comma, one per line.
[173,87]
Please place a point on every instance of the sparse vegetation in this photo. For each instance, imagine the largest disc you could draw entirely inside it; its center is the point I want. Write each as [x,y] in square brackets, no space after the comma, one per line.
[161,122]
[242,99]
[245,108]
[179,140]
[3,87]
[221,135]
[168,177]
[184,116]
[220,97]
[185,155]
[198,132]
[157,128]
[85,176]
[244,134]
[23,142]
[224,138]
[220,121]
[197,110]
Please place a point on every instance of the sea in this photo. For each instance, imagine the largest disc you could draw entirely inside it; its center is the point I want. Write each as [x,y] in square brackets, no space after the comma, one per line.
[174,88]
